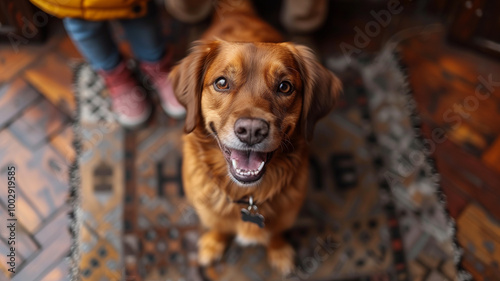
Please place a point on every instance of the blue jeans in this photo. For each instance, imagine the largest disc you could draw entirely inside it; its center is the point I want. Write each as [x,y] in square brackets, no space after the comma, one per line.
[95,41]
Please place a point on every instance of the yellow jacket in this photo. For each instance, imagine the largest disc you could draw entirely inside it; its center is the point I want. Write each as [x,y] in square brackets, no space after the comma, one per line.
[94,9]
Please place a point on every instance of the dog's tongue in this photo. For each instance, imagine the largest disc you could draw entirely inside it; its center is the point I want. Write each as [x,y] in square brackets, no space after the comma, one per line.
[248,160]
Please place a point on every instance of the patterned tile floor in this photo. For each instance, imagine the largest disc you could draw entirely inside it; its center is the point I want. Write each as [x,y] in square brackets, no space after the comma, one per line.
[36,109]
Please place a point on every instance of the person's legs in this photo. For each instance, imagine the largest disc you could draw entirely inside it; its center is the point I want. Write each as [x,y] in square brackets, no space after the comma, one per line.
[146,40]
[145,36]
[94,41]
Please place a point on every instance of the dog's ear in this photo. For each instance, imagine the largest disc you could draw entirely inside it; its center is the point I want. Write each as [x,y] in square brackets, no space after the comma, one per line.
[187,80]
[321,88]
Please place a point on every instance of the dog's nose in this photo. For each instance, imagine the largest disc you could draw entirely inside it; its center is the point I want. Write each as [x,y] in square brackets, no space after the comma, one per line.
[251,130]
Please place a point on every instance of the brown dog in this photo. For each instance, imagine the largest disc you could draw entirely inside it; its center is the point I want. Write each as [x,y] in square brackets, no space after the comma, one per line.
[250,108]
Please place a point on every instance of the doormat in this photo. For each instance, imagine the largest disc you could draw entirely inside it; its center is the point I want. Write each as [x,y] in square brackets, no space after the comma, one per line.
[374,209]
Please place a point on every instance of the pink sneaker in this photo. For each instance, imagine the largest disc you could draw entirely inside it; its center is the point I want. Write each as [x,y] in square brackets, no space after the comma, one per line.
[129,100]
[158,73]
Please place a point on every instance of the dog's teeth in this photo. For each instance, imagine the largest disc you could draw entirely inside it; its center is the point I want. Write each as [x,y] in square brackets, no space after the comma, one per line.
[261,166]
[245,172]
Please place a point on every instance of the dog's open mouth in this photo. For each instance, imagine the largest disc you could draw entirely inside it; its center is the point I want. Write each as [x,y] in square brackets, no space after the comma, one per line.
[246,166]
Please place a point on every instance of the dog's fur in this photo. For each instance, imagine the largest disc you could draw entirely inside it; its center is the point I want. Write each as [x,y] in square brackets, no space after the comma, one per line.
[234,48]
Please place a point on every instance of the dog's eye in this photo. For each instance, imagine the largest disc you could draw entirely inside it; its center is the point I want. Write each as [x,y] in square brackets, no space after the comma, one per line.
[285,87]
[221,84]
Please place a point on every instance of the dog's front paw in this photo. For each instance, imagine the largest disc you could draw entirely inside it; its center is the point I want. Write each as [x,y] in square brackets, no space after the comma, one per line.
[211,246]
[282,258]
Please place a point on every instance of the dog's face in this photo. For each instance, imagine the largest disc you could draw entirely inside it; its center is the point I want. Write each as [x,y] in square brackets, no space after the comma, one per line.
[253,97]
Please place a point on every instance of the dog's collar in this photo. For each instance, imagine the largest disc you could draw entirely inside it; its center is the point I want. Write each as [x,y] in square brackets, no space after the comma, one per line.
[251,212]
[246,200]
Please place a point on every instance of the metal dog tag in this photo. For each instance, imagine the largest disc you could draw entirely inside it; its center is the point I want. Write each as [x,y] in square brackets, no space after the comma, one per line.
[248,216]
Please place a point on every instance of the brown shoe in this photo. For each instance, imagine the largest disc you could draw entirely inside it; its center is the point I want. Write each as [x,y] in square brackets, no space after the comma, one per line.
[303,17]
[190,11]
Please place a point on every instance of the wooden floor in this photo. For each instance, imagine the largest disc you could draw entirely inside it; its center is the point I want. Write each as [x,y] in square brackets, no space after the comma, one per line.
[36,109]
[459,114]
